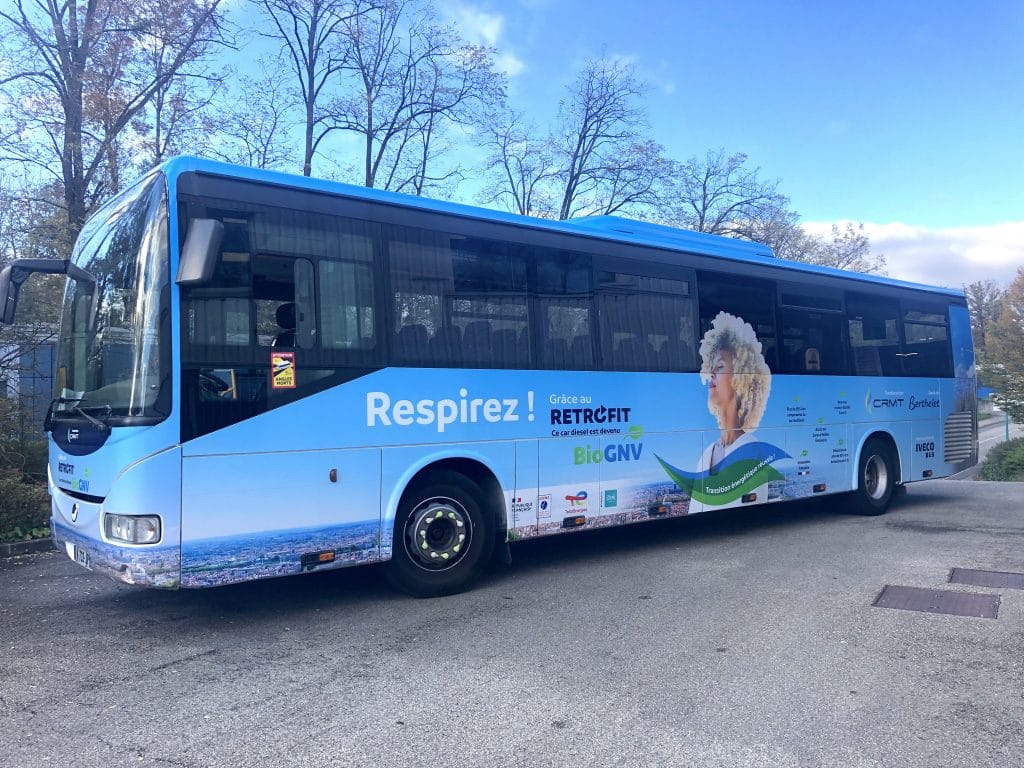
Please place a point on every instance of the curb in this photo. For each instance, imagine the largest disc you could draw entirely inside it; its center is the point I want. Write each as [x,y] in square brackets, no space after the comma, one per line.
[26,547]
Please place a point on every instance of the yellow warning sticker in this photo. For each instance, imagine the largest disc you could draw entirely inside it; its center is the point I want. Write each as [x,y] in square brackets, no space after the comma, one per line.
[282,370]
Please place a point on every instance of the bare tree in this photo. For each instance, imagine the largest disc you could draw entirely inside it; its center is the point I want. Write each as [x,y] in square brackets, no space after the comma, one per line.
[308,31]
[179,115]
[632,180]
[599,122]
[778,227]
[255,125]
[521,166]
[63,53]
[409,79]
[848,248]
[720,195]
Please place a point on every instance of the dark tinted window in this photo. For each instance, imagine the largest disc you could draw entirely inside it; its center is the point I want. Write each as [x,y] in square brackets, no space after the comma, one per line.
[812,342]
[265,288]
[289,311]
[564,300]
[753,301]
[926,350]
[647,322]
[874,335]
[810,297]
[458,301]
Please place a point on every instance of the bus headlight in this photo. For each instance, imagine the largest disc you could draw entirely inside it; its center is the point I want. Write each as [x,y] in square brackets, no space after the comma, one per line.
[132,529]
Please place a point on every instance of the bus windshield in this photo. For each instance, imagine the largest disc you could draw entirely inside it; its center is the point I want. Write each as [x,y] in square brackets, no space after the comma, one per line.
[113,357]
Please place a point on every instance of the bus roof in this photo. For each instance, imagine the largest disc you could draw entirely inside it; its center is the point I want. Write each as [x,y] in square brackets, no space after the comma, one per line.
[610,228]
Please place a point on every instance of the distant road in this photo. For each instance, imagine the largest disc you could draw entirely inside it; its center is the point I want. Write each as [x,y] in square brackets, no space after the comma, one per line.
[991,432]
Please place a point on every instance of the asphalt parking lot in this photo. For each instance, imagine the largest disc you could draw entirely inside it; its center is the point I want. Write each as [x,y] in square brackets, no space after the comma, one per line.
[733,639]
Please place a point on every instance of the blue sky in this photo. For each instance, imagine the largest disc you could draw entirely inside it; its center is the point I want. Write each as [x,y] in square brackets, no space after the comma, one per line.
[906,116]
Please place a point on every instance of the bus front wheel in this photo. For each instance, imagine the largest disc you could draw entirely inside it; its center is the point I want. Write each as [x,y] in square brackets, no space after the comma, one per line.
[443,537]
[876,479]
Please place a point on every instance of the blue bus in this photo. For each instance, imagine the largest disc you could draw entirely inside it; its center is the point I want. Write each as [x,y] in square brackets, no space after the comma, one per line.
[261,375]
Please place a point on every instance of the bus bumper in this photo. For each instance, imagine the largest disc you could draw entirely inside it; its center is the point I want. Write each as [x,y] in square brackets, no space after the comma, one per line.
[77,531]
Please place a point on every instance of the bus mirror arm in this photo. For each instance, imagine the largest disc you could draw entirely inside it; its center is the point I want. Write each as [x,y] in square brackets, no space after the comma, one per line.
[200,252]
[17,272]
[7,300]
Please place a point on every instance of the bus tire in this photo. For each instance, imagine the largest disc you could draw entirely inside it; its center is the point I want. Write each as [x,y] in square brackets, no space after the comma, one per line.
[876,479]
[443,537]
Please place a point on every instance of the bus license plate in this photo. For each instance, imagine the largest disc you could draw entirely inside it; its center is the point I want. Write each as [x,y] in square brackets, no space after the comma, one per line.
[82,556]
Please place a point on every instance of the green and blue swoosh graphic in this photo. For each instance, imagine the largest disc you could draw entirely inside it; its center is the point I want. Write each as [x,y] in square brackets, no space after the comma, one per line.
[743,470]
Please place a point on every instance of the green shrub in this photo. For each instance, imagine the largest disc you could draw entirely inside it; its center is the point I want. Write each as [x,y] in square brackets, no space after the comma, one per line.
[24,502]
[24,508]
[1005,462]
[27,457]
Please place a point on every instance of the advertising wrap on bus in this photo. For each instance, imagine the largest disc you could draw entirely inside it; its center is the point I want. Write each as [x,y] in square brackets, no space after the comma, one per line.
[339,376]
[599,449]
[588,445]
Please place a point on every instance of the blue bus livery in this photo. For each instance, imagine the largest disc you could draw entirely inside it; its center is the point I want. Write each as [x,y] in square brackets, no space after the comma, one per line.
[261,375]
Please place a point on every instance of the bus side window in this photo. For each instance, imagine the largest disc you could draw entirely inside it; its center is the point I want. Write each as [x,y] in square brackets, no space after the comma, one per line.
[646,321]
[346,306]
[812,342]
[283,297]
[564,300]
[926,351]
[752,301]
[468,295]
[874,335]
[489,301]
[218,322]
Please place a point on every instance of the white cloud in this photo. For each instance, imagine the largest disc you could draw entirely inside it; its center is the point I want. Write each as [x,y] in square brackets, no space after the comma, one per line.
[509,63]
[950,256]
[476,25]
[482,28]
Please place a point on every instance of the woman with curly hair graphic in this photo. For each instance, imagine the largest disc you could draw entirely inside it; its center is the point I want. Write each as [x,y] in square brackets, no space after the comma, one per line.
[738,379]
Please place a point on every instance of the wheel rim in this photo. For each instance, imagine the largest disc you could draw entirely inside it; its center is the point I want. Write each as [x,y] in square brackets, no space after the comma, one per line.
[438,533]
[876,477]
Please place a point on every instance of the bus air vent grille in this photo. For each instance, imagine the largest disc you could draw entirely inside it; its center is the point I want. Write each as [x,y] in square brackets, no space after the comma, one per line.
[958,437]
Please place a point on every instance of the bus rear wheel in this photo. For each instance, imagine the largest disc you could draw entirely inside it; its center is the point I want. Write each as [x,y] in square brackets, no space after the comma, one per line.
[876,479]
[443,538]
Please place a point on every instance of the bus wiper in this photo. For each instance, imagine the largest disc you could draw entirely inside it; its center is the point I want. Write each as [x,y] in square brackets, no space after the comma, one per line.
[102,426]
[48,419]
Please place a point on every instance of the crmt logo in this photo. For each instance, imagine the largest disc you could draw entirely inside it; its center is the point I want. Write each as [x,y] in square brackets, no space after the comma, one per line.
[890,400]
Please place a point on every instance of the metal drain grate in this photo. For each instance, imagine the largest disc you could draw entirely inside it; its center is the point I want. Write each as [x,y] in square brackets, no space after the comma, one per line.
[997,579]
[939,601]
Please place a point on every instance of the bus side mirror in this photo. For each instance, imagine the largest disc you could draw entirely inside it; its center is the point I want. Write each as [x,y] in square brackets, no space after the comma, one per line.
[8,296]
[19,270]
[200,252]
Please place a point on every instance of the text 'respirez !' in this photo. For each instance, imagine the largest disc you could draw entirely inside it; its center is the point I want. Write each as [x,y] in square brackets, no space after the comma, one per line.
[382,410]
